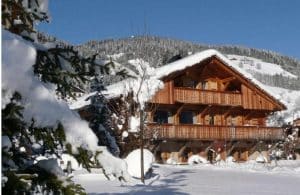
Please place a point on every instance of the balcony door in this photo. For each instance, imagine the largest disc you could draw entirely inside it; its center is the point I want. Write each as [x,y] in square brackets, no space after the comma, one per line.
[187,117]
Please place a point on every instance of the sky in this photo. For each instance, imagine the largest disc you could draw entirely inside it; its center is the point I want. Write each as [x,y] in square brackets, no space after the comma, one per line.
[264,24]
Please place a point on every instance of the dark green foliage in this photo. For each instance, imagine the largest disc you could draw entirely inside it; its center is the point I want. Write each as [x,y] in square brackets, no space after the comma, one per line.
[83,156]
[14,10]
[67,70]
[17,164]
[12,116]
[64,68]
[100,118]
[50,183]
[52,138]
[73,188]
[68,148]
[40,181]
[14,185]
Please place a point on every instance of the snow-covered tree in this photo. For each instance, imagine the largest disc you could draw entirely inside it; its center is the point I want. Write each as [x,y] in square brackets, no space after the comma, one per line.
[36,120]
[100,118]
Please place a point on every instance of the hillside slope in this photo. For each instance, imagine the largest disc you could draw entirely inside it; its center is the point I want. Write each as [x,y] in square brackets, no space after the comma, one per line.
[158,51]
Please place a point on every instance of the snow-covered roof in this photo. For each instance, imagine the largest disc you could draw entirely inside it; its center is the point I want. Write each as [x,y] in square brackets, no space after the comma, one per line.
[117,89]
[187,62]
[196,58]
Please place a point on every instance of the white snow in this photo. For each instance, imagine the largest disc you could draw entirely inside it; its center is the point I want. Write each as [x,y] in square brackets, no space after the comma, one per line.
[261,159]
[171,161]
[143,86]
[115,56]
[39,158]
[226,178]
[113,166]
[40,102]
[134,124]
[6,143]
[134,162]
[230,159]
[196,159]
[36,146]
[63,162]
[51,166]
[290,99]
[81,101]
[257,65]
[22,149]
[125,134]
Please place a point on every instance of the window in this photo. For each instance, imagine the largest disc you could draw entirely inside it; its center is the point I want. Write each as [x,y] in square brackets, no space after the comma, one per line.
[185,81]
[187,117]
[162,117]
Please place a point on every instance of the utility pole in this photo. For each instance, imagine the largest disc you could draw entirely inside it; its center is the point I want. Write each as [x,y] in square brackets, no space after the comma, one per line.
[142,144]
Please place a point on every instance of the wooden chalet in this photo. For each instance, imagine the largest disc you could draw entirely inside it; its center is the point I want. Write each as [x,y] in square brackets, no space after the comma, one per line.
[206,103]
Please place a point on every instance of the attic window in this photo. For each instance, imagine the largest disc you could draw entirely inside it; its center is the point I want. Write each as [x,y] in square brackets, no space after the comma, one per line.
[185,81]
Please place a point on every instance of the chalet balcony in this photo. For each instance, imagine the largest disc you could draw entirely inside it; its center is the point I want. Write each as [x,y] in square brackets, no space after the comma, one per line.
[198,96]
[211,132]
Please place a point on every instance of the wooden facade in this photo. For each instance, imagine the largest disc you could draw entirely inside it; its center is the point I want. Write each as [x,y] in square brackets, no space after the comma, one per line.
[212,101]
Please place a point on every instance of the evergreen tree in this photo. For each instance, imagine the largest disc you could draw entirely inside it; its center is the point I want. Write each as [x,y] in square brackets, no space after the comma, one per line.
[23,143]
[100,119]
[70,73]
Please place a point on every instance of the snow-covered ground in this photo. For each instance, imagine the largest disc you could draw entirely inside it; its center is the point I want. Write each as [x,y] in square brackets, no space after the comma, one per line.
[224,178]
[257,65]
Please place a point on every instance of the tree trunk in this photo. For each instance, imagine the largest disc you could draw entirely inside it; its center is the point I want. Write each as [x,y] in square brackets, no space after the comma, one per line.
[142,144]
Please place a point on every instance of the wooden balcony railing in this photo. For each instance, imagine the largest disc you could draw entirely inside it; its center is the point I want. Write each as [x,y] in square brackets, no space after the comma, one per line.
[197,96]
[210,132]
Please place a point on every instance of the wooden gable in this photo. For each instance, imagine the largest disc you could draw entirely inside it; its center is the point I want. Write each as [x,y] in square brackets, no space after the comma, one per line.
[254,97]
[218,76]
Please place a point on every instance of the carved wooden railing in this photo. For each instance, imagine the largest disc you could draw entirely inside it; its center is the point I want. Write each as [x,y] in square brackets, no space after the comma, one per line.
[210,132]
[197,96]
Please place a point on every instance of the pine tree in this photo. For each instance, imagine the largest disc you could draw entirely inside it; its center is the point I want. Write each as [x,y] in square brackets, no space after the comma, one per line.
[25,142]
[64,68]
[100,119]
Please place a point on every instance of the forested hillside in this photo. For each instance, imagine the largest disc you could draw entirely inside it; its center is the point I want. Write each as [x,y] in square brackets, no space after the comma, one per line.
[159,51]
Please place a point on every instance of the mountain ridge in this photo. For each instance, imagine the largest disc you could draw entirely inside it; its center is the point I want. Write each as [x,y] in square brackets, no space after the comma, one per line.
[166,48]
